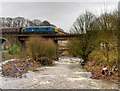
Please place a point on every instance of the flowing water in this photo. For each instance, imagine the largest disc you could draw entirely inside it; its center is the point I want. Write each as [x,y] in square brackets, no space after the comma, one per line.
[65,74]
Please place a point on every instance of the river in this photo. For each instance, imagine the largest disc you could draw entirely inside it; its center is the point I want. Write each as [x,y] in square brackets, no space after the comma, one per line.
[65,74]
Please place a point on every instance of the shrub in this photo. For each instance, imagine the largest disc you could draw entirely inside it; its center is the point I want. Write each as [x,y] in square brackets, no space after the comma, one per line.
[38,48]
[5,54]
[22,54]
[81,45]
[15,49]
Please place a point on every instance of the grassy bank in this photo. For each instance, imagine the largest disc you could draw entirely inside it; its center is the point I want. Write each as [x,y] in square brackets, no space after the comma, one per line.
[96,62]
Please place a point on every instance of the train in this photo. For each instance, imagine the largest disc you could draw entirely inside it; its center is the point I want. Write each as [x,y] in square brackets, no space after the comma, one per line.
[37,29]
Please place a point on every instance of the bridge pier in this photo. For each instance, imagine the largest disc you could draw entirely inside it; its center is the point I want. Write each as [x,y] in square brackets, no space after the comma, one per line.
[56,41]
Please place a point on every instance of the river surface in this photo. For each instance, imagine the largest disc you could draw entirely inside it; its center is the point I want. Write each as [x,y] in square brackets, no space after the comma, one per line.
[65,74]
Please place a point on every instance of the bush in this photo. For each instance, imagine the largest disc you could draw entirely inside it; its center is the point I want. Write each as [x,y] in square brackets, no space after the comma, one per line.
[15,49]
[5,54]
[38,48]
[22,54]
[81,45]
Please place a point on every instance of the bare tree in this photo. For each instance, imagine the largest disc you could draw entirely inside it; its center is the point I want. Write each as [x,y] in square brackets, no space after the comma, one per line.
[108,34]
[45,23]
[26,23]
[14,23]
[31,23]
[36,22]
[82,44]
[19,21]
[9,21]
[3,21]
[83,23]
[22,22]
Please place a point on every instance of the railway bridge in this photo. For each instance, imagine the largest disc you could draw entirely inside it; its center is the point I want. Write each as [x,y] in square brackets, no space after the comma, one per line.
[60,39]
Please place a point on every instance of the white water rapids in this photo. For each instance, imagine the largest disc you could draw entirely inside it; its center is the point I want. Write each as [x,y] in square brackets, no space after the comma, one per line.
[66,74]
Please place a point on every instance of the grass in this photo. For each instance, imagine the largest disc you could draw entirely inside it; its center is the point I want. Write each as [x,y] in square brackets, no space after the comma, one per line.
[100,58]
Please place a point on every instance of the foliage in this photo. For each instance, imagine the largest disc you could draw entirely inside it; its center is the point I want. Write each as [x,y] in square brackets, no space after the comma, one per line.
[38,48]
[5,54]
[23,54]
[107,38]
[91,33]
[81,45]
[98,58]
[15,49]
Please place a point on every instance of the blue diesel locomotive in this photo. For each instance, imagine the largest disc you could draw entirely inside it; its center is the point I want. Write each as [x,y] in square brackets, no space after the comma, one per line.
[40,29]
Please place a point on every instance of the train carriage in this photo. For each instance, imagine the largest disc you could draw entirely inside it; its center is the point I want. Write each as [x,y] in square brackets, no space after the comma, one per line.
[10,30]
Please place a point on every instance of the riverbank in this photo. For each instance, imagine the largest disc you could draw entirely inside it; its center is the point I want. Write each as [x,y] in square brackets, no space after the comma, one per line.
[96,67]
[16,68]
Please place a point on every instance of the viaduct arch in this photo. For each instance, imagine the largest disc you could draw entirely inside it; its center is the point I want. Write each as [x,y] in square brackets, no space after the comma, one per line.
[4,42]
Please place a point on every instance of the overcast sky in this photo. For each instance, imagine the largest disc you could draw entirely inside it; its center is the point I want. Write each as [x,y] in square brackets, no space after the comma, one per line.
[61,14]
